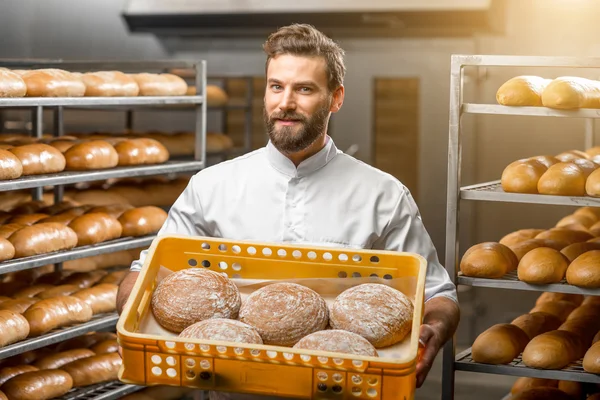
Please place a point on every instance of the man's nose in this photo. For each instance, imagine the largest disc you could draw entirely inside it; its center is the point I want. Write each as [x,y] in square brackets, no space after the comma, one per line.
[288,101]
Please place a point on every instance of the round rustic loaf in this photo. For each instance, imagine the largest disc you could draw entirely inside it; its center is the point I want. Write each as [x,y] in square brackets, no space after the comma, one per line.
[337,341]
[222,329]
[377,312]
[194,294]
[283,313]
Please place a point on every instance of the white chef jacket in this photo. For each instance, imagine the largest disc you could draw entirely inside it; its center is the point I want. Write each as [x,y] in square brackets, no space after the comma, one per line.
[330,199]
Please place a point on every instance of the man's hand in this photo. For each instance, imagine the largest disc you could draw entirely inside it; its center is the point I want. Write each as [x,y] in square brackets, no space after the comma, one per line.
[440,321]
[125,289]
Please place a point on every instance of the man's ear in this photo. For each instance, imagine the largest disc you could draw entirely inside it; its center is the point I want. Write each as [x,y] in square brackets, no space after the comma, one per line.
[337,99]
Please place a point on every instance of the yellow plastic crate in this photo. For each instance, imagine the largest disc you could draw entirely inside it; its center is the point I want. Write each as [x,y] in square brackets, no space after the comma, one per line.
[153,356]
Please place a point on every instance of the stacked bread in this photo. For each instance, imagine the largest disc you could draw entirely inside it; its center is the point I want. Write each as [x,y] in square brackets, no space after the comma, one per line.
[565,92]
[203,304]
[34,228]
[52,371]
[559,330]
[570,250]
[571,173]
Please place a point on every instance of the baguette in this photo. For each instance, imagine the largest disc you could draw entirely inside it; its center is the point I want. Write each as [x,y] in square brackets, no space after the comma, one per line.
[568,92]
[13,327]
[524,90]
[57,360]
[95,369]
[43,238]
[102,298]
[38,385]
[92,228]
[95,154]
[10,165]
[142,221]
[56,312]
[39,159]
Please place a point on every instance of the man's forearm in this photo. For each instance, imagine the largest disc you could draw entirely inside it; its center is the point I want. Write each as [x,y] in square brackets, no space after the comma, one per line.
[444,314]
[125,289]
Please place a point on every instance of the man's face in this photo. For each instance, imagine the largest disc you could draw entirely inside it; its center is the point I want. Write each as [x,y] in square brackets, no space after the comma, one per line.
[297,101]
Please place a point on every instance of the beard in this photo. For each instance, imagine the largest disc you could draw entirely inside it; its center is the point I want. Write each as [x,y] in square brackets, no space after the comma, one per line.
[292,139]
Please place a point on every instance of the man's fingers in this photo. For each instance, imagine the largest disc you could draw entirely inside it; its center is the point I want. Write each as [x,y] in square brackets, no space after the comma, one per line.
[428,355]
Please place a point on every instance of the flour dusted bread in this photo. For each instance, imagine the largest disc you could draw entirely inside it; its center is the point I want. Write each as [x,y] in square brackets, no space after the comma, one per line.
[160,84]
[542,266]
[337,341]
[522,176]
[11,84]
[524,90]
[192,295]
[52,82]
[584,271]
[563,179]
[536,323]
[569,92]
[519,236]
[488,260]
[222,329]
[38,385]
[283,313]
[109,83]
[377,312]
[499,344]
[10,165]
[542,393]
[552,350]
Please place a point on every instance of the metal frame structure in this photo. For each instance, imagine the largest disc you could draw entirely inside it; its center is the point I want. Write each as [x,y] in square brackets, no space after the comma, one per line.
[111,390]
[492,191]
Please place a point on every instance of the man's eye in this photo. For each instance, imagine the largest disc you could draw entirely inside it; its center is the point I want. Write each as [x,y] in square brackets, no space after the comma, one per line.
[305,89]
[275,87]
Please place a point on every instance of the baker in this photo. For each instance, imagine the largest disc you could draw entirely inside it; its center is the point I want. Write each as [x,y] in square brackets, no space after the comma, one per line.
[301,189]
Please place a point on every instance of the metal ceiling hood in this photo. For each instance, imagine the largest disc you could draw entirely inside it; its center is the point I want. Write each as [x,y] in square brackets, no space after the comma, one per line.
[337,18]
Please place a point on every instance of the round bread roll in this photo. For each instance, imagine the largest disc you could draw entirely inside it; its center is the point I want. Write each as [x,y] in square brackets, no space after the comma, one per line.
[584,271]
[565,235]
[525,383]
[576,299]
[499,344]
[591,359]
[488,260]
[563,179]
[215,96]
[10,165]
[224,330]
[542,393]
[379,313]
[525,247]
[95,154]
[524,90]
[39,159]
[542,266]
[560,308]
[522,176]
[548,161]
[194,294]
[536,323]
[283,313]
[519,236]
[337,341]
[552,350]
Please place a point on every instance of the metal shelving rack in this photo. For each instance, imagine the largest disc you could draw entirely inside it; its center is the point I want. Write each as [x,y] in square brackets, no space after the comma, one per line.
[492,191]
[197,104]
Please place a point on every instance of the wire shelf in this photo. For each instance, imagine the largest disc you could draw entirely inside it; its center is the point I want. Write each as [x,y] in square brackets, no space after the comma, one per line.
[101,391]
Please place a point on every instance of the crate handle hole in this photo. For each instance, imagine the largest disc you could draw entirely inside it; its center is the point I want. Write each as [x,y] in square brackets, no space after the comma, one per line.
[338,377]
[205,348]
[374,276]
[312,255]
[221,349]
[223,265]
[189,346]
[204,364]
[305,358]
[323,360]
[327,256]
[251,250]
[338,361]
[255,353]
[267,252]
[205,375]
[322,375]
[321,387]
[297,253]
[342,274]
[223,247]
[373,381]
[336,389]
[356,275]
[171,361]
[357,258]
[190,362]
[156,359]
[288,356]
[236,266]
[190,374]
[357,363]
[343,257]
[205,263]
[356,391]
[281,253]
[371,392]
[374,259]
[192,262]
[272,354]
[387,276]
[239,351]
[170,345]
[205,246]
[171,373]
[236,249]
[356,379]
[156,371]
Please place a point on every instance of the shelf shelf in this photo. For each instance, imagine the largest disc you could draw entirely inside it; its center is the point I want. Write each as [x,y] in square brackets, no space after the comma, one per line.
[101,391]
[70,177]
[81,102]
[492,191]
[497,109]
[98,322]
[573,372]
[111,246]
[511,281]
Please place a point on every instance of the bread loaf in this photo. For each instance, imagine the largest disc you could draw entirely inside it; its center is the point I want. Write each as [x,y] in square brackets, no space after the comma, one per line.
[552,350]
[38,385]
[525,247]
[13,327]
[7,373]
[563,179]
[114,210]
[526,383]
[105,347]
[591,359]
[568,92]
[584,271]
[524,90]
[9,229]
[63,145]
[11,84]
[542,266]
[39,159]
[499,344]
[283,313]
[488,260]
[576,299]
[42,238]
[57,360]
[573,389]
[115,277]
[536,323]
[53,83]
[66,217]
[56,312]
[215,96]
[574,250]
[547,160]
[191,295]
[96,369]
[92,228]
[522,176]
[583,219]
[224,330]
[102,297]
[10,165]
[142,221]
[141,151]
[584,327]
[560,308]
[109,84]
[85,341]
[337,341]
[83,279]
[519,236]
[32,291]
[160,84]
[572,155]
[18,306]
[542,393]
[7,250]
[61,290]
[565,235]
[95,154]
[377,312]
[28,219]
[589,211]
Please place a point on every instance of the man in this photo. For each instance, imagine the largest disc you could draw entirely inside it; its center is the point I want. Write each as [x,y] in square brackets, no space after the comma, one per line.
[301,189]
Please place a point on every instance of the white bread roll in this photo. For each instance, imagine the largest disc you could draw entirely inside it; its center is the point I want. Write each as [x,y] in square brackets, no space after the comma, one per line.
[109,83]
[39,159]
[191,295]
[576,299]
[95,154]
[522,176]
[568,92]
[560,308]
[565,235]
[488,260]
[53,83]
[283,313]
[499,344]
[519,236]
[11,84]
[583,219]
[552,350]
[542,266]
[563,179]
[338,341]
[536,323]
[525,247]
[524,90]
[584,271]
[223,330]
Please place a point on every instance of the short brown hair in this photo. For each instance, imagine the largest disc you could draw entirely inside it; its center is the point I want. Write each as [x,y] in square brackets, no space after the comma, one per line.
[306,40]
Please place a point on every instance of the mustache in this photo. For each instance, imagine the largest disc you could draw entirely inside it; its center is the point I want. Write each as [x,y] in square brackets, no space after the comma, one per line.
[287,115]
